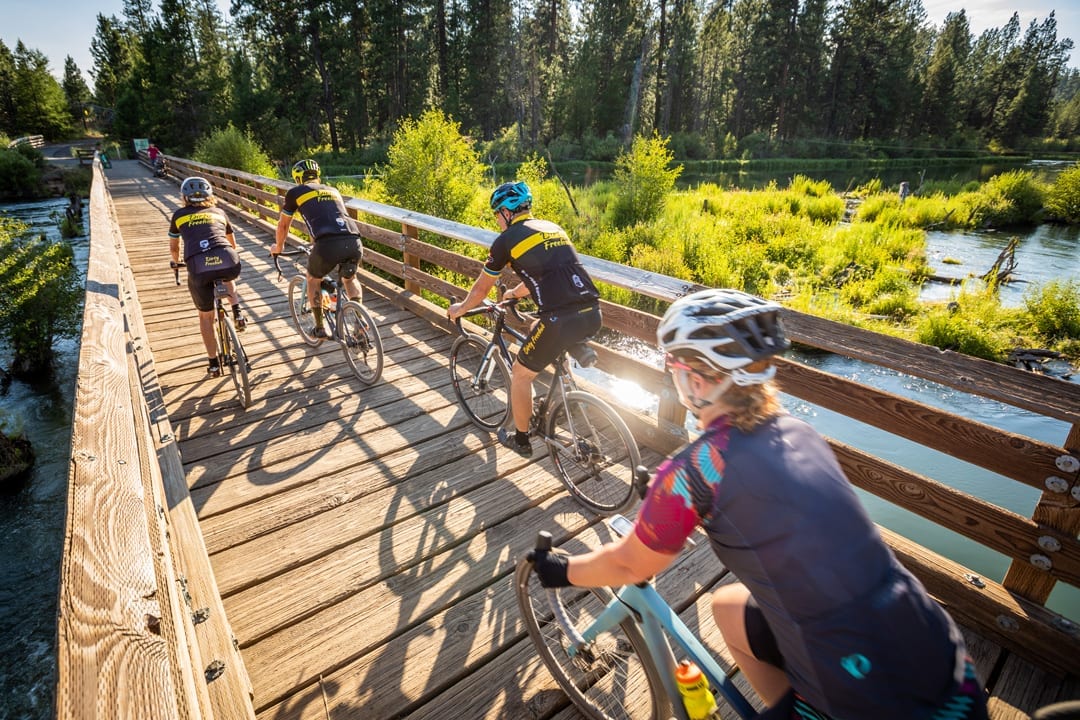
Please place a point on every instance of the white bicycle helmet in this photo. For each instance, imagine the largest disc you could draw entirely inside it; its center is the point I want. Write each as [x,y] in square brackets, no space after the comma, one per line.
[725,329]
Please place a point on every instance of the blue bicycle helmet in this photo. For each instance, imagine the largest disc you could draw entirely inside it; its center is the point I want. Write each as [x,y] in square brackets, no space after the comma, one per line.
[513,196]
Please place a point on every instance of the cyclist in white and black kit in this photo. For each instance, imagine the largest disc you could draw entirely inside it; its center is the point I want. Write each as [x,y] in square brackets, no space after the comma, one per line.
[209,251]
[824,621]
[335,236]
[542,255]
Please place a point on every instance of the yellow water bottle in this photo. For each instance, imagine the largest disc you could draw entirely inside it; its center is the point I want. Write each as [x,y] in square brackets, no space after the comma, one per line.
[694,688]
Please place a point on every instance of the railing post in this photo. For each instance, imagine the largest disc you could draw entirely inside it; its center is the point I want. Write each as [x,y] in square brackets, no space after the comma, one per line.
[409,259]
[1058,508]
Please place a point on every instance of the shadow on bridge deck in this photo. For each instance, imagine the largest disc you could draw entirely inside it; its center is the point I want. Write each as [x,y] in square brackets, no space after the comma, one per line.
[363,538]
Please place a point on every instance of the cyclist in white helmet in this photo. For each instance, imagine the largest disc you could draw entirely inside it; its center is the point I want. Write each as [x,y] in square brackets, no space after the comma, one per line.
[824,621]
[200,234]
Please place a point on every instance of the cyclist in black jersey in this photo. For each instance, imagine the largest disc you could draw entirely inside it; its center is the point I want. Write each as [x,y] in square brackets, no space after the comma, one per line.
[542,255]
[209,251]
[824,621]
[334,234]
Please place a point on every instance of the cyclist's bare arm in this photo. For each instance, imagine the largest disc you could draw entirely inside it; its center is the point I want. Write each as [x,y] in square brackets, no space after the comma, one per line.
[624,562]
[480,289]
[174,249]
[284,222]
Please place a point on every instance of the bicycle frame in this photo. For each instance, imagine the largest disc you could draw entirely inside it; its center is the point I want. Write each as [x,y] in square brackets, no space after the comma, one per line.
[563,379]
[642,604]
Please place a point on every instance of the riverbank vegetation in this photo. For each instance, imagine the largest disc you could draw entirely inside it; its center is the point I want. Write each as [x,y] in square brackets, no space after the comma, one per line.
[803,244]
[42,297]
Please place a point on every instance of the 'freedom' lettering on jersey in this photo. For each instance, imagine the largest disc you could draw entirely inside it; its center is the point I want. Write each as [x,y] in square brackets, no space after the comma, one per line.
[322,209]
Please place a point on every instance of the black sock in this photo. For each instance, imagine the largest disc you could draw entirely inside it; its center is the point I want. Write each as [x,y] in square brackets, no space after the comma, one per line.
[521,438]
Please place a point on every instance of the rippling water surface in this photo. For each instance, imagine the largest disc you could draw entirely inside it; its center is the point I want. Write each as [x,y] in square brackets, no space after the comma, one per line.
[32,514]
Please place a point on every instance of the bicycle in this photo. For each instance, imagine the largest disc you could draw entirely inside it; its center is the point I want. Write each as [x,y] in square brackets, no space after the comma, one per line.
[589,444]
[230,351]
[348,322]
[607,650]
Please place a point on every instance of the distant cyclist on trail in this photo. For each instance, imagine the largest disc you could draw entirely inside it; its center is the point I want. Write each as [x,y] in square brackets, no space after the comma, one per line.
[542,255]
[209,251]
[335,236]
[824,621]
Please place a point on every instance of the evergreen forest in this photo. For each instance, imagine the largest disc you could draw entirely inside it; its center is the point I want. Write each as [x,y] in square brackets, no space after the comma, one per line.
[572,78]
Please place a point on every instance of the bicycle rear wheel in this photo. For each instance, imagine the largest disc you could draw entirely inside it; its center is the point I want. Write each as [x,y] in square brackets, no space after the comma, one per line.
[615,679]
[481,382]
[361,343]
[593,452]
[237,362]
[300,309]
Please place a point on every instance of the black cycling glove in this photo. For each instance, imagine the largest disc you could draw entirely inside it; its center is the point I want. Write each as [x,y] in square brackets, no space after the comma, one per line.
[550,568]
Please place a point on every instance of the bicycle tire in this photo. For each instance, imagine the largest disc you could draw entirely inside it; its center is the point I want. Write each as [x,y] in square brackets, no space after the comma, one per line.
[236,359]
[593,452]
[620,681]
[1067,710]
[360,342]
[300,310]
[485,400]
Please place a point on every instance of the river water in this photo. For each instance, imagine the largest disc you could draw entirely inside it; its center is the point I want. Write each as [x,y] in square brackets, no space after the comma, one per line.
[32,514]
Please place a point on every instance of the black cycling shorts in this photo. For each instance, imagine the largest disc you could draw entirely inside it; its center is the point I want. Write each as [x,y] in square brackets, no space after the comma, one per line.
[203,269]
[331,250]
[760,635]
[556,331]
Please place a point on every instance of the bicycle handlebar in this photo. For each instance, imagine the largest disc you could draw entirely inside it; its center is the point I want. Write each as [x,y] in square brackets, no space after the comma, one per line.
[543,545]
[299,250]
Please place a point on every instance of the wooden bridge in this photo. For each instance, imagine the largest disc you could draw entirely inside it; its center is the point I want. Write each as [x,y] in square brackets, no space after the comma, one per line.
[336,551]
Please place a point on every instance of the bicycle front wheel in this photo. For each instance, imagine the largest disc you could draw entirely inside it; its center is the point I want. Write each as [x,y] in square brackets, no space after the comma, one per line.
[300,309]
[237,361]
[481,381]
[361,342]
[613,678]
[593,452]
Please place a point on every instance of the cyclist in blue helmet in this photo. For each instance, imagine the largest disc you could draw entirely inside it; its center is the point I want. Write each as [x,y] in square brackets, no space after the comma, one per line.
[335,236]
[824,621]
[551,274]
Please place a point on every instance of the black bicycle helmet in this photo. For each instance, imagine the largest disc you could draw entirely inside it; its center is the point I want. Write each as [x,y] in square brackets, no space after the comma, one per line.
[514,196]
[196,189]
[725,329]
[305,170]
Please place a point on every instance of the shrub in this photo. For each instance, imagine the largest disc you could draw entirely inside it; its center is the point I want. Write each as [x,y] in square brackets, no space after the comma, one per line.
[431,167]
[1054,310]
[1063,198]
[974,324]
[19,177]
[233,148]
[643,178]
[42,296]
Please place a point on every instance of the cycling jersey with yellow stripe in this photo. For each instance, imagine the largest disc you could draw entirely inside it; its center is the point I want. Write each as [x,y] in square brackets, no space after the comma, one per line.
[202,229]
[322,208]
[545,259]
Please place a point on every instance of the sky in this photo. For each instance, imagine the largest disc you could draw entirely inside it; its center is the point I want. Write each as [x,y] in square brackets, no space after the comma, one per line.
[59,28]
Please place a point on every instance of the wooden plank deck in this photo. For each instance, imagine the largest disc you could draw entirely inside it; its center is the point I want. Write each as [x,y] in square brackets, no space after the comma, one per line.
[363,539]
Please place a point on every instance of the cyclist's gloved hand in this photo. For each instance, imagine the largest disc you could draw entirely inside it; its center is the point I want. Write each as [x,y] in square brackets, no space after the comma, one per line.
[550,568]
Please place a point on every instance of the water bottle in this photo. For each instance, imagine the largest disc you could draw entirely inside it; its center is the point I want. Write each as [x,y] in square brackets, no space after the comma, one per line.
[694,688]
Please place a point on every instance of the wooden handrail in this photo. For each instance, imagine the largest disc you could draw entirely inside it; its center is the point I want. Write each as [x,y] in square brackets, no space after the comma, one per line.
[1043,548]
[141,624]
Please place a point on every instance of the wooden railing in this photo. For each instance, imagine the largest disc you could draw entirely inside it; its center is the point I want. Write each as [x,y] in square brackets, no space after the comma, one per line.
[141,628]
[34,141]
[1044,549]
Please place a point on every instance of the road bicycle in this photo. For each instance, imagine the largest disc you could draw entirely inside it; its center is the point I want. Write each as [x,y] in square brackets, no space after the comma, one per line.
[232,358]
[347,320]
[589,444]
[612,653]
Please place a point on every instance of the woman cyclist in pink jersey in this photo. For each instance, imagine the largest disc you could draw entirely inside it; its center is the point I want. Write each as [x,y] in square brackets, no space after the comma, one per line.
[824,621]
